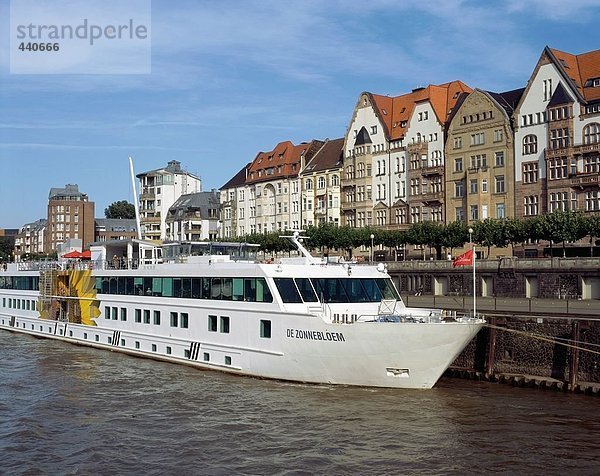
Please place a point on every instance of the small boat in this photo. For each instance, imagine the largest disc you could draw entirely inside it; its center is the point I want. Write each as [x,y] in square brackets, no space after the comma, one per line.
[214,306]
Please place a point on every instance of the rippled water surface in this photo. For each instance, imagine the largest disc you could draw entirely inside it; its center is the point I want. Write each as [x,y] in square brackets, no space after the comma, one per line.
[73,410]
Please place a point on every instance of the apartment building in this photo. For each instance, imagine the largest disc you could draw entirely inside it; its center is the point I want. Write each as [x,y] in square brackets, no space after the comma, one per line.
[108,229]
[394,157]
[194,217]
[234,205]
[159,189]
[479,166]
[321,179]
[70,215]
[30,239]
[557,135]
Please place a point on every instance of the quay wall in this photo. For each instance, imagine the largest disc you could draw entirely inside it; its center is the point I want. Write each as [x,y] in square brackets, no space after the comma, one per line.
[543,317]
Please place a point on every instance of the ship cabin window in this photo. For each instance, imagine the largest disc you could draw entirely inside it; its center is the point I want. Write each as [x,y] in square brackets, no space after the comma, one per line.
[206,357]
[97,338]
[173,319]
[153,347]
[123,342]
[224,321]
[265,328]
[157,318]
[115,312]
[70,332]
[186,353]
[137,344]
[85,335]
[146,316]
[106,312]
[184,320]
[287,290]
[212,323]
[123,313]
[138,315]
[169,350]
[109,339]
[227,360]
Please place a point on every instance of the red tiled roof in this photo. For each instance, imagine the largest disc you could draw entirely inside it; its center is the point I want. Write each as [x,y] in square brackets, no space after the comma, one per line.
[580,68]
[283,161]
[395,112]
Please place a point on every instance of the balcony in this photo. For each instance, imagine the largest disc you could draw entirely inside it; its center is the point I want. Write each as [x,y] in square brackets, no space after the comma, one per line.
[434,170]
[587,148]
[321,211]
[588,180]
[431,197]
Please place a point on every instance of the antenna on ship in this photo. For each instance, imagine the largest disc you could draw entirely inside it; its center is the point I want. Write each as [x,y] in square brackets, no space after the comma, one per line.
[135,200]
[295,238]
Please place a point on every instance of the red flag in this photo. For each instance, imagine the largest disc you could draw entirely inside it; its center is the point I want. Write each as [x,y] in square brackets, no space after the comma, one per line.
[466,259]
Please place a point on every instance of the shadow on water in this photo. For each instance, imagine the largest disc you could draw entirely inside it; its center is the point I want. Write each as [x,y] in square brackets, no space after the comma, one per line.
[75,410]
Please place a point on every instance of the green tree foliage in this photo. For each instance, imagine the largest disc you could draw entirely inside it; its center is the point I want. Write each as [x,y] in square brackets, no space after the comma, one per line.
[120,209]
[5,248]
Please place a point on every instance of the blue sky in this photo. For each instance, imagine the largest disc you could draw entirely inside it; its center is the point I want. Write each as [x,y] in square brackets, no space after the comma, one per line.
[232,78]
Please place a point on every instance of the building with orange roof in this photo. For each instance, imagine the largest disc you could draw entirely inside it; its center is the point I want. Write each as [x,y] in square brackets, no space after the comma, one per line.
[557,136]
[394,157]
[322,184]
[271,196]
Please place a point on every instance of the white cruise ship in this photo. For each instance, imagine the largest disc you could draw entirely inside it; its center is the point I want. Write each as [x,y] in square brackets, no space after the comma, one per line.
[211,305]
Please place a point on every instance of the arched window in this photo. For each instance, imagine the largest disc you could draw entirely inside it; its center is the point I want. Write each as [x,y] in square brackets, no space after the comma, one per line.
[321,182]
[335,180]
[309,184]
[591,133]
[529,144]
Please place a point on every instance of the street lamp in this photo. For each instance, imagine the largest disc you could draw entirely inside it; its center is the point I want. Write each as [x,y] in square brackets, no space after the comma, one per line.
[372,237]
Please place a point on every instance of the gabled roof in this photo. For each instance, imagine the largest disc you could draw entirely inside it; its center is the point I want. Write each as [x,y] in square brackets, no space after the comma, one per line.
[285,160]
[362,137]
[579,69]
[560,97]
[508,99]
[395,112]
[199,201]
[330,156]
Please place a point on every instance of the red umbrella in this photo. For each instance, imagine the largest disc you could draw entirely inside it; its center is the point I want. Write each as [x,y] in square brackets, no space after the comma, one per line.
[72,254]
[87,254]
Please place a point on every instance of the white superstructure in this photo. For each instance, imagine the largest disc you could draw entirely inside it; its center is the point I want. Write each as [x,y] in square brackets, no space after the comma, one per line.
[299,319]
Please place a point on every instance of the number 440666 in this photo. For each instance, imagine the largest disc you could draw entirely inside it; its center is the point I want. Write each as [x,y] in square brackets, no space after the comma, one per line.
[39,46]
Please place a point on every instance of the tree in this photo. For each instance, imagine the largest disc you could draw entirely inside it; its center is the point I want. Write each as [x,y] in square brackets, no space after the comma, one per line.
[120,209]
[5,248]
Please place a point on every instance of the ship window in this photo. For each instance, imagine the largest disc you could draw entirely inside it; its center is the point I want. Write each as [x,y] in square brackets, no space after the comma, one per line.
[112,285]
[355,289]
[224,324]
[287,290]
[106,312]
[227,360]
[331,289]
[105,286]
[263,294]
[186,353]
[212,323]
[186,287]
[183,320]
[138,286]
[250,289]
[97,338]
[138,315]
[85,335]
[197,288]
[146,316]
[168,350]
[70,332]
[238,289]
[306,290]
[167,287]
[121,285]
[123,342]
[115,315]
[177,289]
[265,328]
[137,344]
[123,314]
[206,357]
[157,286]
[157,318]
[153,347]
[387,288]
[129,286]
[173,319]
[372,290]
[205,288]
[109,339]
[226,289]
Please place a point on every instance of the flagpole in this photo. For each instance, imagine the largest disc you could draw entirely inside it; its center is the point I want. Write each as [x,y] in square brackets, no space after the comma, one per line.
[474,282]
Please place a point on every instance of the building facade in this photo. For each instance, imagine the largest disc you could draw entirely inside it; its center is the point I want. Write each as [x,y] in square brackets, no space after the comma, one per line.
[557,136]
[480,157]
[194,217]
[159,189]
[70,215]
[109,229]
[30,239]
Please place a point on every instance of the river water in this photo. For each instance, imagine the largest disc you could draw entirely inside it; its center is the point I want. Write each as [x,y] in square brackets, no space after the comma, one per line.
[74,410]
